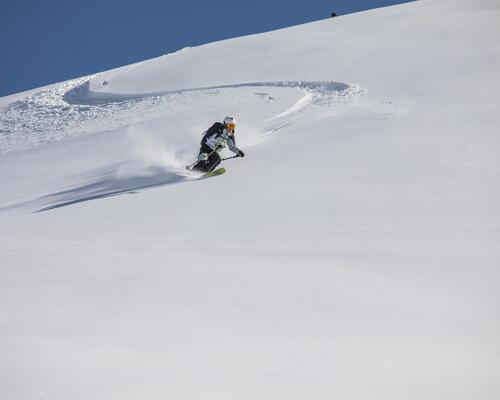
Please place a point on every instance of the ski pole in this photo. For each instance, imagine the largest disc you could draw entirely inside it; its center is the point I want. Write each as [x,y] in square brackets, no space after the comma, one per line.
[228,158]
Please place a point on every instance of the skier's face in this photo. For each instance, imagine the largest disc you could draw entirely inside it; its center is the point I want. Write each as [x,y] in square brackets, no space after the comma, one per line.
[230,128]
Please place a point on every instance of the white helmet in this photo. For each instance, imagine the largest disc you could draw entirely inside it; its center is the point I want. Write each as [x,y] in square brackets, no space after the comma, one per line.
[229,120]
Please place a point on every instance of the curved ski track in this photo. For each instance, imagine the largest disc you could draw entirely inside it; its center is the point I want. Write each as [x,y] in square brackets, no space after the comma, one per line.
[71,108]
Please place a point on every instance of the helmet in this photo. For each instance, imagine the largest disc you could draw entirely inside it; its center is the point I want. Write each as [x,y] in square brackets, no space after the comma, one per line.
[229,120]
[230,123]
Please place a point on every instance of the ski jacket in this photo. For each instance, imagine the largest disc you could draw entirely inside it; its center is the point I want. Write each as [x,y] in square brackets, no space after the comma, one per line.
[217,137]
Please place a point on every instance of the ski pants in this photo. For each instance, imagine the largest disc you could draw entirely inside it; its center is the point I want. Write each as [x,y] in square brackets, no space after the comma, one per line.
[212,162]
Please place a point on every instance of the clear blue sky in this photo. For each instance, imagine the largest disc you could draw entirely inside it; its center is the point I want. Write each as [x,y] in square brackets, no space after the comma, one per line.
[46,41]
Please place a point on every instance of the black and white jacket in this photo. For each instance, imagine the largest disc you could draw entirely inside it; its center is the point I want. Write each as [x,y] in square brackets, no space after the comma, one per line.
[217,137]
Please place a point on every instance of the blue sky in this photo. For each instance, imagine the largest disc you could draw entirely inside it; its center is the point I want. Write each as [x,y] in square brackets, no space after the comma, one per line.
[46,41]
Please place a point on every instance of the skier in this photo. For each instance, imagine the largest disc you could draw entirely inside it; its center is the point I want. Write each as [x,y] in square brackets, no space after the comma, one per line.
[214,140]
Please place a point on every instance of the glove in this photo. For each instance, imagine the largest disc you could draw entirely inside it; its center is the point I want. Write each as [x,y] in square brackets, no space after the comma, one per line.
[241,154]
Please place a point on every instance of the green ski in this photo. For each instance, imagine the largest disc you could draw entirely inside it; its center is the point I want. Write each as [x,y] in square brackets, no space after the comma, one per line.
[218,171]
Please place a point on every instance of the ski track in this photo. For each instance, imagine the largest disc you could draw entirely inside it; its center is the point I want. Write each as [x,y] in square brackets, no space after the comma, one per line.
[104,182]
[71,108]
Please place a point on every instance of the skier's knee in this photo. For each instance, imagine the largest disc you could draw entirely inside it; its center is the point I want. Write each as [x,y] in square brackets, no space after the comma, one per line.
[202,157]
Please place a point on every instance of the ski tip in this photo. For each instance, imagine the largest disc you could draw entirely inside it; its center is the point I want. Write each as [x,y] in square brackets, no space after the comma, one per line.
[219,171]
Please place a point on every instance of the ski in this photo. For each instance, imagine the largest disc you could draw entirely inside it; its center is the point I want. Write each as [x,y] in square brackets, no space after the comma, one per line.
[217,172]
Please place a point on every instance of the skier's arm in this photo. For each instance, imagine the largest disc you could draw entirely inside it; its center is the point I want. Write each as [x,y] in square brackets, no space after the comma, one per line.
[233,148]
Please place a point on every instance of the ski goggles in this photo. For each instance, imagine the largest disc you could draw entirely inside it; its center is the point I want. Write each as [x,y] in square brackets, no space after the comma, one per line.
[230,127]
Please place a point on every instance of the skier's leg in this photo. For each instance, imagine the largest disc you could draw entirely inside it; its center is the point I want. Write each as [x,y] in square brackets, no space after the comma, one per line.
[202,158]
[212,162]
[200,165]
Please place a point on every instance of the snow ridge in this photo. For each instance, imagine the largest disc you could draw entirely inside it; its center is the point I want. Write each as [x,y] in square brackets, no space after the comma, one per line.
[72,108]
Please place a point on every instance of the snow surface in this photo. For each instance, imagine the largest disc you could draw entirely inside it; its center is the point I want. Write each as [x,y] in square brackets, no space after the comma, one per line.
[352,254]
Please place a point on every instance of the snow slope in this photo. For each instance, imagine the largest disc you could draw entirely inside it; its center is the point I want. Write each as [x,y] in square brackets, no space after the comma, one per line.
[353,253]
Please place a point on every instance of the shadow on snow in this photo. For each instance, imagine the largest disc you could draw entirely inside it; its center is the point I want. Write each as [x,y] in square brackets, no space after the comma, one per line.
[108,184]
[104,183]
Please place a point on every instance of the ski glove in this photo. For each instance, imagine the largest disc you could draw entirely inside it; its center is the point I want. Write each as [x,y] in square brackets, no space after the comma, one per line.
[241,154]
